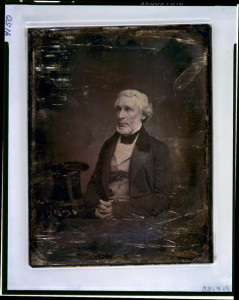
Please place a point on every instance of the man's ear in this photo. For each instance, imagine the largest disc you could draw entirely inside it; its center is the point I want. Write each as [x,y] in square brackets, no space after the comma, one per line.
[143,117]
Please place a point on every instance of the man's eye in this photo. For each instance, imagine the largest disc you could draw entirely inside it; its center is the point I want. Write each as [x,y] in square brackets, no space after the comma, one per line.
[128,108]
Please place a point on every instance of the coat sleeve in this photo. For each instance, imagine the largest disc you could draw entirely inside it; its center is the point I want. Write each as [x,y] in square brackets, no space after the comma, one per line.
[94,189]
[160,186]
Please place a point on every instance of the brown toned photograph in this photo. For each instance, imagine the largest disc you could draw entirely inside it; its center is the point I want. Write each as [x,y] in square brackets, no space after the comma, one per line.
[120,145]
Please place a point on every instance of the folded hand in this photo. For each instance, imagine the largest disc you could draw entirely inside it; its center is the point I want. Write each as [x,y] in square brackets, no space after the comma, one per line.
[104,210]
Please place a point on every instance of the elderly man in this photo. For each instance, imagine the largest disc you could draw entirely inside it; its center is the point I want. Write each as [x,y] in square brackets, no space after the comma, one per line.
[132,178]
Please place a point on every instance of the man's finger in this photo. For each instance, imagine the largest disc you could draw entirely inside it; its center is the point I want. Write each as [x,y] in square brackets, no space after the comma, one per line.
[104,210]
[103,216]
[105,203]
[97,213]
[102,207]
[106,216]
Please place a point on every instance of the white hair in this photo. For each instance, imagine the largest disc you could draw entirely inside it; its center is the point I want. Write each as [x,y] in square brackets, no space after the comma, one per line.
[142,101]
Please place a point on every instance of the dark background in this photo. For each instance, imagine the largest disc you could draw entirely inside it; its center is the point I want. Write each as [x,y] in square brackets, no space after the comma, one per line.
[75,75]
[78,74]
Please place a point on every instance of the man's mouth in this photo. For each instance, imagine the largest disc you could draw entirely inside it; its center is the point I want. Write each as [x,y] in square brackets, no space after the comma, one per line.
[122,124]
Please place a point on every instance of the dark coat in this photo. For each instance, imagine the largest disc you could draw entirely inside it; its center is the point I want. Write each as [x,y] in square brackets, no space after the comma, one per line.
[150,177]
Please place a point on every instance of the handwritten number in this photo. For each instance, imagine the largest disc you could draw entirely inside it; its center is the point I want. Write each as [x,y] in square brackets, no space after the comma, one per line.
[7,32]
[9,18]
[8,23]
[216,289]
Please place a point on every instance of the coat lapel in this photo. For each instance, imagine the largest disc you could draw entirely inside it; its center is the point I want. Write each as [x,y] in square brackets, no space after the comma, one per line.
[107,162]
[140,153]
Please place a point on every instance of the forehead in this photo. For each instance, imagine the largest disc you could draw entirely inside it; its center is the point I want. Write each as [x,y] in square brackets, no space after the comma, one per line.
[127,101]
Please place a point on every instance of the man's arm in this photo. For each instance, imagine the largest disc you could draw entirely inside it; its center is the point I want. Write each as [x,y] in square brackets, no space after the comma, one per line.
[93,192]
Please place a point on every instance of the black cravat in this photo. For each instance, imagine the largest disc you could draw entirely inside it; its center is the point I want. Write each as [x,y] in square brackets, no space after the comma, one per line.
[129,139]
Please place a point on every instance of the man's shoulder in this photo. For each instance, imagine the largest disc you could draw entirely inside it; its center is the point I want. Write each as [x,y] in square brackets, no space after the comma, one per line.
[112,139]
[149,141]
[156,142]
[158,146]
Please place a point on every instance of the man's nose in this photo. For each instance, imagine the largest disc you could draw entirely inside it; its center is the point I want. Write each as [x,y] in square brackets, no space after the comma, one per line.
[121,114]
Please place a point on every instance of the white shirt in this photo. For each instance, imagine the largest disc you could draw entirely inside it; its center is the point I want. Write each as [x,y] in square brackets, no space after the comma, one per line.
[120,162]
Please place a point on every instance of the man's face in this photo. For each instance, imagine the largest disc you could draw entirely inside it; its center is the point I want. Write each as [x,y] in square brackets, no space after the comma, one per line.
[129,115]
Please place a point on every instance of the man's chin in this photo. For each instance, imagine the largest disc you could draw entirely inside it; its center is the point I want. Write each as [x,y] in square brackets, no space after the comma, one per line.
[123,130]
